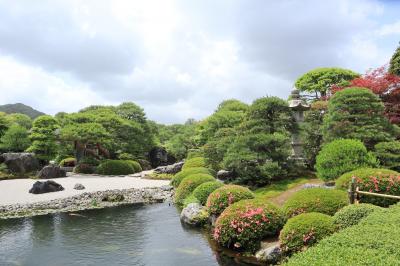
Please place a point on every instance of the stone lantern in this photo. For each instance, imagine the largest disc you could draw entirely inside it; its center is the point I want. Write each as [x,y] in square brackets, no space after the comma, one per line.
[298,106]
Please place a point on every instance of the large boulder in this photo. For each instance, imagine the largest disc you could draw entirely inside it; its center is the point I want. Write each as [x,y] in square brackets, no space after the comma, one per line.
[20,163]
[270,255]
[224,175]
[159,156]
[45,187]
[169,169]
[79,186]
[51,171]
[194,214]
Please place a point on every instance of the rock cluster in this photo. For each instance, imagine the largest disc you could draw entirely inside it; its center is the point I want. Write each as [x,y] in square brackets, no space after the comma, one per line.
[51,171]
[20,163]
[45,187]
[270,255]
[224,175]
[86,201]
[194,214]
[169,169]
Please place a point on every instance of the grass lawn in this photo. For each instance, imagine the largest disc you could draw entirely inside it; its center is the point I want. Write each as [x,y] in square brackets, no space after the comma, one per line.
[155,176]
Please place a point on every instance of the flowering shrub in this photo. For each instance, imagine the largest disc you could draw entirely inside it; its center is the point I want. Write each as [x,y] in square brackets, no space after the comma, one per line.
[189,184]
[242,225]
[224,196]
[322,200]
[184,173]
[194,162]
[202,192]
[341,156]
[305,230]
[353,214]
[373,180]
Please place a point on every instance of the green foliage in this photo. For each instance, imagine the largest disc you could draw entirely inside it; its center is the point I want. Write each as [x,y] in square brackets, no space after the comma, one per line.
[280,186]
[341,156]
[191,199]
[374,241]
[43,137]
[244,224]
[135,165]
[194,163]
[20,119]
[189,184]
[202,192]
[216,148]
[226,195]
[388,154]
[394,66]
[115,167]
[357,113]
[68,162]
[15,139]
[305,230]
[353,214]
[322,200]
[20,109]
[4,123]
[321,80]
[126,156]
[185,173]
[232,105]
[312,131]
[193,153]
[382,181]
[84,168]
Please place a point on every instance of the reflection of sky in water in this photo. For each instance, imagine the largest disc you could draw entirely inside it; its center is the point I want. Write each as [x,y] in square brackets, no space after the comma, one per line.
[146,235]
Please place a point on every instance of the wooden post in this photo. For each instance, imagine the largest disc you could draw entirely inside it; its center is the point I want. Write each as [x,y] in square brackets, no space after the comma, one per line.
[352,190]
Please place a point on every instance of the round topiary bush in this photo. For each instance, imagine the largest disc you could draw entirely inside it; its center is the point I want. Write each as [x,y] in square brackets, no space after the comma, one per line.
[244,224]
[68,162]
[193,153]
[115,167]
[135,165]
[84,168]
[305,230]
[341,156]
[202,192]
[377,180]
[226,195]
[353,214]
[194,162]
[189,184]
[322,200]
[177,179]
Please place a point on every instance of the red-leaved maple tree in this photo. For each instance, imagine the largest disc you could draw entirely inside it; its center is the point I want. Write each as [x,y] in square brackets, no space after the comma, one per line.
[385,85]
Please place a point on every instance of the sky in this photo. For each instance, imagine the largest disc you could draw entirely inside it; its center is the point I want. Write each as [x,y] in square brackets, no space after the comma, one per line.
[179,59]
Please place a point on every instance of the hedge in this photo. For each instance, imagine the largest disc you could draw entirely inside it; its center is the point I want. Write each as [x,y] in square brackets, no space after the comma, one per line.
[374,241]
[135,165]
[224,196]
[305,230]
[189,184]
[204,190]
[194,162]
[373,180]
[115,167]
[353,214]
[244,224]
[177,179]
[322,200]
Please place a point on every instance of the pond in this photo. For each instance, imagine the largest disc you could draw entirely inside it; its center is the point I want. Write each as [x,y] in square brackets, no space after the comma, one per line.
[129,235]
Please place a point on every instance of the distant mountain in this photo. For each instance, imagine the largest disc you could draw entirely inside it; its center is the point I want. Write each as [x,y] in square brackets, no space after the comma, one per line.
[20,108]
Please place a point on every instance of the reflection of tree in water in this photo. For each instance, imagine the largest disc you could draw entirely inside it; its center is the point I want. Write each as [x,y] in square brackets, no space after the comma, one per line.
[43,229]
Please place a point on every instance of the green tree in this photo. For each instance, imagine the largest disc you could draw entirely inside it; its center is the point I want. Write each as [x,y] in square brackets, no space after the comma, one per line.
[43,137]
[20,119]
[216,148]
[357,113]
[394,66]
[4,123]
[15,139]
[321,80]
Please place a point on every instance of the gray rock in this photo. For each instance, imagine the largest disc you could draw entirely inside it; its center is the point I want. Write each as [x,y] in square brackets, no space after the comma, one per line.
[20,163]
[194,214]
[169,169]
[79,186]
[224,175]
[270,255]
[45,187]
[307,185]
[51,171]
[166,188]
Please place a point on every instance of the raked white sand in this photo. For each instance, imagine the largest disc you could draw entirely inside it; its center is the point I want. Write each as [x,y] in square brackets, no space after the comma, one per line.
[16,191]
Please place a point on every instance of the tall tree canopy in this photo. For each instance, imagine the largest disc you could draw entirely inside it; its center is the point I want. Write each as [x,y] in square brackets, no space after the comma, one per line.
[44,138]
[394,67]
[15,139]
[320,80]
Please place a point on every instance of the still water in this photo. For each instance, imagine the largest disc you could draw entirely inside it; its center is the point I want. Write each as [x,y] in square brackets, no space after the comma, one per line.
[129,235]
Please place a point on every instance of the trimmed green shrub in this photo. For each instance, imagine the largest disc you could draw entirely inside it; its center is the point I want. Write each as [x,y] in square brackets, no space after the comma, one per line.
[322,200]
[135,165]
[194,162]
[84,168]
[341,156]
[144,164]
[374,241]
[244,224]
[194,153]
[388,154]
[68,162]
[353,214]
[190,199]
[189,184]
[383,181]
[177,179]
[305,230]
[204,190]
[226,195]
[115,167]
[89,160]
